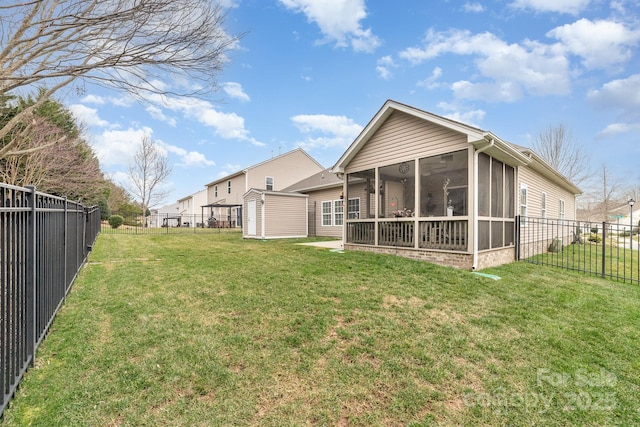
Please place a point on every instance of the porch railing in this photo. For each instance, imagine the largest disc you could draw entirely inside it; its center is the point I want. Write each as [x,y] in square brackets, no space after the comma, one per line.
[450,235]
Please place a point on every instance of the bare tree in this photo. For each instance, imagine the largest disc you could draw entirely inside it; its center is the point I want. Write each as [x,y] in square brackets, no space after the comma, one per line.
[148,170]
[602,197]
[137,46]
[556,146]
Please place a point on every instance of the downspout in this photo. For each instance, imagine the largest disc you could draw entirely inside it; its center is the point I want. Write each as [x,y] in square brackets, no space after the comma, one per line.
[476,154]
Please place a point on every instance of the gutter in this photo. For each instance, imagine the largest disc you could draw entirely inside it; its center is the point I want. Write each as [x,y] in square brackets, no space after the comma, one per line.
[476,154]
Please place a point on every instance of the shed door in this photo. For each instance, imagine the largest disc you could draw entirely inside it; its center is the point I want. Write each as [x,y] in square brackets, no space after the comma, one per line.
[251,217]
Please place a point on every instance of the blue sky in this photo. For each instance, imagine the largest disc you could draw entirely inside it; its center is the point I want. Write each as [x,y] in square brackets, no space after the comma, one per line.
[312,73]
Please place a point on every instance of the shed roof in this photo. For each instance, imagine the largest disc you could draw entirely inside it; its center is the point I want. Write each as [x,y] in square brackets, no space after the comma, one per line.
[319,181]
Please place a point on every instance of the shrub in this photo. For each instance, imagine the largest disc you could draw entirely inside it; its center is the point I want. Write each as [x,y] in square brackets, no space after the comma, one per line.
[594,230]
[115,221]
[594,238]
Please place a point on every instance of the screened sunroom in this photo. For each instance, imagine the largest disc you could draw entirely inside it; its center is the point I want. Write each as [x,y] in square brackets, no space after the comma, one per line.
[425,203]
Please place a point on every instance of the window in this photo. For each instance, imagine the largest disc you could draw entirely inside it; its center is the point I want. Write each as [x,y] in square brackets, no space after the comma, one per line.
[338,212]
[215,191]
[229,187]
[561,213]
[353,208]
[523,200]
[268,183]
[326,213]
[543,207]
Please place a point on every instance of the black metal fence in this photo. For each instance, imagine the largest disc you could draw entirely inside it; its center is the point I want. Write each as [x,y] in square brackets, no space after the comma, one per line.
[167,224]
[44,240]
[606,249]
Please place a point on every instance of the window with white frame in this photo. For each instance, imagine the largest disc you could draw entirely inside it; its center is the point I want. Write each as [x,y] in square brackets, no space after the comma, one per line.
[327,214]
[215,191]
[268,185]
[523,200]
[229,187]
[338,212]
[543,207]
[353,208]
[561,213]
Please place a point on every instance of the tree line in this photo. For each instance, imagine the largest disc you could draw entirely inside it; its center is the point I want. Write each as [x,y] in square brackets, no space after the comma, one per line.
[139,47]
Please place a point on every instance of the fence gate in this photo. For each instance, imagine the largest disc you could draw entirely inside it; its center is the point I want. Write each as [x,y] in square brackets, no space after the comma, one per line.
[311,228]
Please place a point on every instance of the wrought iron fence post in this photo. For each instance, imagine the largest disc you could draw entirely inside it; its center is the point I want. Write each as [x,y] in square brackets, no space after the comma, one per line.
[31,262]
[517,237]
[604,246]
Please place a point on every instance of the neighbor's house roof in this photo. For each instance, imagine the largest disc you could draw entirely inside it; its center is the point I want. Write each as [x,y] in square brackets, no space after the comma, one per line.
[320,181]
[247,169]
[492,144]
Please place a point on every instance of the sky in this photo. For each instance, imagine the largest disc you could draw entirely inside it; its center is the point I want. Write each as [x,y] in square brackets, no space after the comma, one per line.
[313,73]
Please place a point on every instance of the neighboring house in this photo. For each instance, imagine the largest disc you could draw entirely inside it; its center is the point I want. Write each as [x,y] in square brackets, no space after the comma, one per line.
[225,195]
[190,209]
[427,187]
[160,215]
[326,204]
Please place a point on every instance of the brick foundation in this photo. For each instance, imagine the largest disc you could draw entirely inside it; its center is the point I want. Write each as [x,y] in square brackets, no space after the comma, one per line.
[462,261]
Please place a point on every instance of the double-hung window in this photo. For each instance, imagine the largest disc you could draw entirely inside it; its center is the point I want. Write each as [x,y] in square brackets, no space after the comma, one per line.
[338,212]
[353,208]
[523,200]
[327,213]
[268,185]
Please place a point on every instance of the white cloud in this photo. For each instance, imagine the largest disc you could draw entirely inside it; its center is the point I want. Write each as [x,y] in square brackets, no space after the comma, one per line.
[622,95]
[618,128]
[123,101]
[187,158]
[600,43]
[471,118]
[158,114]
[339,21]
[326,131]
[117,147]
[510,69]
[572,7]
[86,115]
[93,99]
[225,125]
[473,7]
[431,82]
[384,66]
[235,90]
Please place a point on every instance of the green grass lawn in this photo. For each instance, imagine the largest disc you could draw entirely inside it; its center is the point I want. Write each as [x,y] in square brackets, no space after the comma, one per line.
[205,330]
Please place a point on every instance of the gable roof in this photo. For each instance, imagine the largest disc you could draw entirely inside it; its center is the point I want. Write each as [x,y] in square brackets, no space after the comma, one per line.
[480,139]
[321,180]
[247,169]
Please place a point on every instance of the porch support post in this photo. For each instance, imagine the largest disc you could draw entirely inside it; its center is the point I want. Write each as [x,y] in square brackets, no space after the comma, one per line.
[475,202]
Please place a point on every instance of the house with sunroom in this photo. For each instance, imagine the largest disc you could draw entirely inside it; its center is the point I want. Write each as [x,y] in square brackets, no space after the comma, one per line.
[427,187]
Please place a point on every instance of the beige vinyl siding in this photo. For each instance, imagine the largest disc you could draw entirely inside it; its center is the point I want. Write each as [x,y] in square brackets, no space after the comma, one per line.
[318,197]
[405,137]
[285,171]
[285,215]
[536,185]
